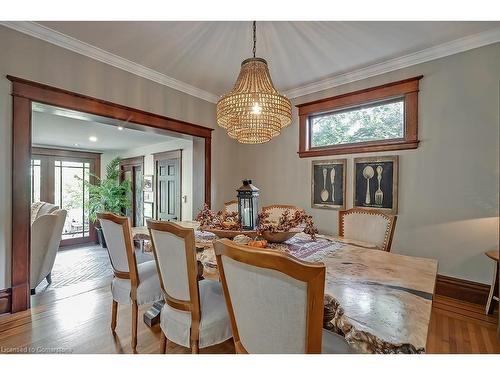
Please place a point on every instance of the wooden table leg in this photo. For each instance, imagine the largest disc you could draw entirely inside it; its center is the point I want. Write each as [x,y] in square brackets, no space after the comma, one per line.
[490,306]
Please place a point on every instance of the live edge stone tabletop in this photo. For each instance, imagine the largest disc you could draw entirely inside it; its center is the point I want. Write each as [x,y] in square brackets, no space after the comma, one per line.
[380,302]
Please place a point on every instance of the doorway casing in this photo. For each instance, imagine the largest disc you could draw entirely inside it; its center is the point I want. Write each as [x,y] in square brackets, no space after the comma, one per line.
[25,92]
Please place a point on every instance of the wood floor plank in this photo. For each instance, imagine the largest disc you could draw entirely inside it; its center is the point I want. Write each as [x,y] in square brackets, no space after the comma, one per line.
[458,315]
[475,349]
[466,345]
[486,338]
[432,339]
[453,338]
[468,312]
[445,335]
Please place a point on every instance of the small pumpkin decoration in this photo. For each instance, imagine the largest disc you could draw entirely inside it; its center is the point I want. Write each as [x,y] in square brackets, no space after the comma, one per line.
[261,244]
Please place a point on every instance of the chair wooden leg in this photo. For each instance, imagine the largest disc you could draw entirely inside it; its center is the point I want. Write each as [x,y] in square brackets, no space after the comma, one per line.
[134,325]
[163,342]
[114,313]
[194,347]
[490,306]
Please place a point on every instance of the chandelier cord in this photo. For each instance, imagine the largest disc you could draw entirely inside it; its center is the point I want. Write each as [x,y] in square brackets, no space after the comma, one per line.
[254,38]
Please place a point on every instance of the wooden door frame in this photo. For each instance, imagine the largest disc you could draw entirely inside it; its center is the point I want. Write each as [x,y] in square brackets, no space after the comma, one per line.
[24,92]
[166,155]
[137,161]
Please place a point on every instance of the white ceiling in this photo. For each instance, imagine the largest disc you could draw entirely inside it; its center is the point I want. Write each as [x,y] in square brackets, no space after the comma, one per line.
[62,131]
[207,55]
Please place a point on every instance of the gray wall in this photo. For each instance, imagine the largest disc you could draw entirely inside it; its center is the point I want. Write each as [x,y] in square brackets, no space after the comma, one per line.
[448,201]
[39,61]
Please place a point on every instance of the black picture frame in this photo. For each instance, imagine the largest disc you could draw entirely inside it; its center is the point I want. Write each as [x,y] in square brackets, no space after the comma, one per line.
[328,184]
[375,181]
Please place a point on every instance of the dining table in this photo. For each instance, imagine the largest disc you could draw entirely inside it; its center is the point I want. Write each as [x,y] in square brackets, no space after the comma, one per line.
[379,301]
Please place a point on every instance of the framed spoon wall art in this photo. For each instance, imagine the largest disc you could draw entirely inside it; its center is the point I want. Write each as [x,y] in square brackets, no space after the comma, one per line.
[328,184]
[376,183]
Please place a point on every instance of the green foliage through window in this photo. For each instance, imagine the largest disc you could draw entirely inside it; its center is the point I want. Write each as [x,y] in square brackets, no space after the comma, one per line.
[375,122]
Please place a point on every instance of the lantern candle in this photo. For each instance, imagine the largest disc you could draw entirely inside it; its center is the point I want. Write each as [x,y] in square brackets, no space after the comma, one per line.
[248,209]
[246,215]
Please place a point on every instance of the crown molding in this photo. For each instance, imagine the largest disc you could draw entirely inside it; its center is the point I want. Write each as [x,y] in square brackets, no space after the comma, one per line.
[432,53]
[54,37]
[446,49]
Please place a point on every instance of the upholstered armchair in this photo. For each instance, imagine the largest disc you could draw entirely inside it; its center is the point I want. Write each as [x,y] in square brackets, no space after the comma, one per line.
[46,231]
[370,226]
[275,302]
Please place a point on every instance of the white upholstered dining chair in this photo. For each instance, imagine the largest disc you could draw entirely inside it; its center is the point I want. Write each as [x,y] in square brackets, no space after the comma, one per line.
[134,284]
[231,207]
[194,314]
[275,302]
[371,226]
[275,211]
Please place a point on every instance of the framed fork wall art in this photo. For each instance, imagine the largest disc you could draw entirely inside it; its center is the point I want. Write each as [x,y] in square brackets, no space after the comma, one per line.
[328,184]
[375,182]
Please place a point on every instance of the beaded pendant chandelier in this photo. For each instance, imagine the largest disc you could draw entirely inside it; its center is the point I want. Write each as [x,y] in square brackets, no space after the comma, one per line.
[254,111]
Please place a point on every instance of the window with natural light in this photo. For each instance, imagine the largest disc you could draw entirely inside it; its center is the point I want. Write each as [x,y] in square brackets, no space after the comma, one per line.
[378,121]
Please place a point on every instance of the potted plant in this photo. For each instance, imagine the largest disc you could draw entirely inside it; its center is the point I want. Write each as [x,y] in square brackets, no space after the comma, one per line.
[108,195]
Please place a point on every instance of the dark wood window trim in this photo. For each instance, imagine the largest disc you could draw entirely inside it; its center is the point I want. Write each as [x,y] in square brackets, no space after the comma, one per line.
[25,92]
[47,193]
[36,150]
[175,154]
[135,161]
[408,89]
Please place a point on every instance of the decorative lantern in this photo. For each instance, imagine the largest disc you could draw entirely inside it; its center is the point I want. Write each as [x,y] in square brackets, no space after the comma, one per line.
[248,205]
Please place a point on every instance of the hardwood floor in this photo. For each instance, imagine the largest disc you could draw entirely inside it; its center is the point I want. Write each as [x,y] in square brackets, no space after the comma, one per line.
[83,263]
[461,327]
[64,321]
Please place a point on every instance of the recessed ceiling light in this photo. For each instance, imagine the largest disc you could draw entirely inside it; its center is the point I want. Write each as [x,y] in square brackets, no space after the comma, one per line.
[92,139]
[120,128]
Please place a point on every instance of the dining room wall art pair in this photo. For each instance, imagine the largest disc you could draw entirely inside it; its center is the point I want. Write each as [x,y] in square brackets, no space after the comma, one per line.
[374,183]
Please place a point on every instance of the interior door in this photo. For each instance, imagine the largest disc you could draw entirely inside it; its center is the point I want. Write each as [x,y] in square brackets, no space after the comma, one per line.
[168,177]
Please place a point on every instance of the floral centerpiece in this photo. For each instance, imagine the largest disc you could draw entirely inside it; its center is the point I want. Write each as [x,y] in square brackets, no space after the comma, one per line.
[227,224]
[208,219]
[222,224]
[283,229]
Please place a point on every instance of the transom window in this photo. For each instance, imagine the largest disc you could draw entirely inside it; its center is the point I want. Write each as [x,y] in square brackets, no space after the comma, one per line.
[366,123]
[380,118]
